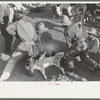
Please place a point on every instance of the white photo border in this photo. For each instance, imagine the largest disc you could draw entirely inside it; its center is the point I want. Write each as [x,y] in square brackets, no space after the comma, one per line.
[50,89]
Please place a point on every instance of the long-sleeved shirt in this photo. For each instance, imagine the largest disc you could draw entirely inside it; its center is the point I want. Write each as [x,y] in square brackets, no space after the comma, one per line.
[93,44]
[24,30]
[73,36]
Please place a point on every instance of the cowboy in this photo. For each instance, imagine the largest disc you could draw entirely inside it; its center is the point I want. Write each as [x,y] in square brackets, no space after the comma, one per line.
[4,20]
[54,11]
[77,45]
[93,41]
[58,10]
[34,49]
[21,28]
[28,36]
[12,12]
[65,19]
[78,13]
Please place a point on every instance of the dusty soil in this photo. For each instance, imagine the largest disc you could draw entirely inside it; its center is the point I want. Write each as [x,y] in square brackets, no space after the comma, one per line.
[53,73]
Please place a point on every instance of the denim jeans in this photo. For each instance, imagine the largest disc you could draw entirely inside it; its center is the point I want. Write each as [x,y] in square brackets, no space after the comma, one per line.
[83,55]
[22,50]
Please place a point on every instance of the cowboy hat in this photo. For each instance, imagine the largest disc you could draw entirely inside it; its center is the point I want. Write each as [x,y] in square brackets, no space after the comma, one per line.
[92,31]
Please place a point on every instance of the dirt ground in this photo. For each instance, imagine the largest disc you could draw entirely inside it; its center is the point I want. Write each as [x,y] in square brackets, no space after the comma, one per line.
[81,70]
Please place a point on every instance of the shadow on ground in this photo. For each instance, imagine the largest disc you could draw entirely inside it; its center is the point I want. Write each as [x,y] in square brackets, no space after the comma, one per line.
[21,74]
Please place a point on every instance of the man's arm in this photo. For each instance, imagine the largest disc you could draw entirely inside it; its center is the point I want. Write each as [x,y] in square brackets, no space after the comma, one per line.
[35,35]
[11,29]
[95,46]
[69,35]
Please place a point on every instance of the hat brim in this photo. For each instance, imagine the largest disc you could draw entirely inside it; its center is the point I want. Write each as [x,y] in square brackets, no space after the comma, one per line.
[92,31]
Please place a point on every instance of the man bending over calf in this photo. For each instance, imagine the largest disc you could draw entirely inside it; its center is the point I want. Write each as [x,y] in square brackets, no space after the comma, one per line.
[77,45]
[35,46]
[26,32]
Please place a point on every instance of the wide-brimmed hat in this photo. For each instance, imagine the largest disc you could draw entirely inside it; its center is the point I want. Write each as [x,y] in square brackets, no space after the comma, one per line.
[92,31]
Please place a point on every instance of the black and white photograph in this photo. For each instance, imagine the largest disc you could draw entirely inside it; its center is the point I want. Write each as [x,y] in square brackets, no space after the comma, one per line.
[49,42]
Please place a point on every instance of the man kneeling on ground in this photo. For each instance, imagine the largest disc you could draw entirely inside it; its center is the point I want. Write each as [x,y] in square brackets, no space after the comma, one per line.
[77,46]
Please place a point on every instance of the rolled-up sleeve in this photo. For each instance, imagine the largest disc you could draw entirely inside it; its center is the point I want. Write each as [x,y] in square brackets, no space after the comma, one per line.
[11,29]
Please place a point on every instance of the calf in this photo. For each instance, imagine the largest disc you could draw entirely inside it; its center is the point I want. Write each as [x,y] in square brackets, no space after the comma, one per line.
[45,62]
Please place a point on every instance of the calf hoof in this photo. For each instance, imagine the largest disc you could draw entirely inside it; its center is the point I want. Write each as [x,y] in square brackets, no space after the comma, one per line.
[31,72]
[45,78]
[63,72]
